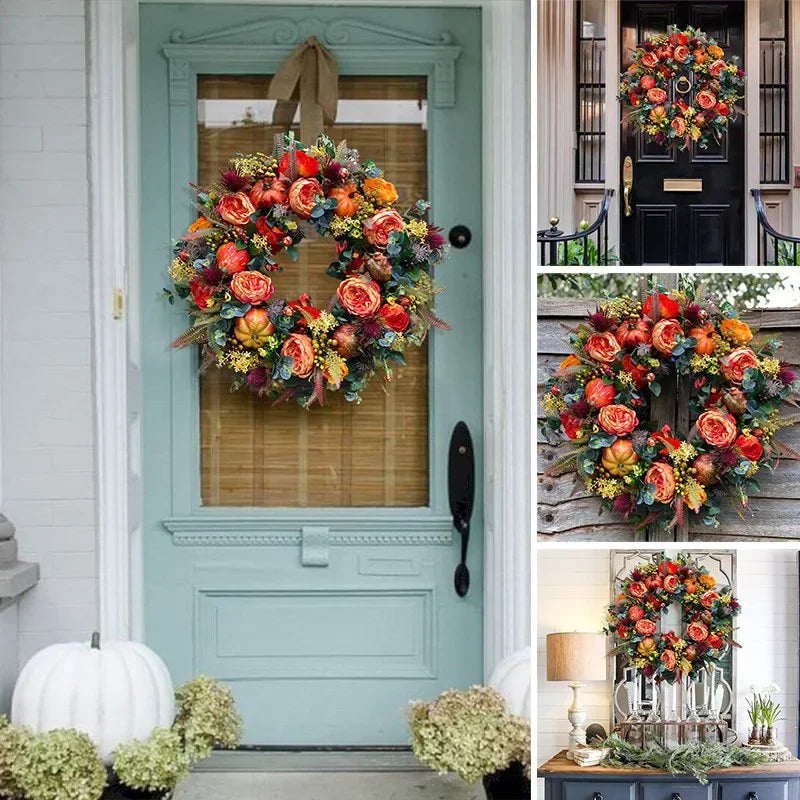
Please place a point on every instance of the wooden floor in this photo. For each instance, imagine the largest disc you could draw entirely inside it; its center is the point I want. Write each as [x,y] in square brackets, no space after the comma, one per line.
[406,785]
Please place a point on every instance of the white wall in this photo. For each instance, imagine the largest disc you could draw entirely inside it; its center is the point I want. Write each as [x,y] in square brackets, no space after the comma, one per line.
[47,419]
[573,591]
[767,630]
[8,655]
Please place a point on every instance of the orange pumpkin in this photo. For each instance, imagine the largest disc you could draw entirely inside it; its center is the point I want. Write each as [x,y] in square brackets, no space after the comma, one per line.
[264,195]
[253,328]
[700,57]
[706,339]
[620,457]
[345,198]
[629,334]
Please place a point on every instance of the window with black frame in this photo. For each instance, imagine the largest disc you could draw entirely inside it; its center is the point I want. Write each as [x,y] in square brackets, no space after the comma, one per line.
[774,92]
[590,92]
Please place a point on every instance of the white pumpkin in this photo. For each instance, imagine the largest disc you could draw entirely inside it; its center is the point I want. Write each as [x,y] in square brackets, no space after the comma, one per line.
[113,691]
[512,679]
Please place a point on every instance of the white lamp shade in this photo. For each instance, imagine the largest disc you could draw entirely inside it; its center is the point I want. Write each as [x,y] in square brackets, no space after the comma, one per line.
[576,656]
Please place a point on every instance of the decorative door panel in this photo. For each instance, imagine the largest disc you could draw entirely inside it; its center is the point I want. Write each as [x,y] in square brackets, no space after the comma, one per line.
[307,557]
[687,208]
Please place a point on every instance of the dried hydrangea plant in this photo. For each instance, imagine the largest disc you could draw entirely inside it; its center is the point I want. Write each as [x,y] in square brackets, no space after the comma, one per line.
[153,764]
[206,717]
[13,742]
[469,733]
[60,765]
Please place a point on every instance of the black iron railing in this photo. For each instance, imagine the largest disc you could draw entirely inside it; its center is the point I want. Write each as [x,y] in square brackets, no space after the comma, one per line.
[586,247]
[774,249]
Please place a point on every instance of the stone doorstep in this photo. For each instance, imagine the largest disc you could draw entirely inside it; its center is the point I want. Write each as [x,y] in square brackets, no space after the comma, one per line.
[17,578]
[407,785]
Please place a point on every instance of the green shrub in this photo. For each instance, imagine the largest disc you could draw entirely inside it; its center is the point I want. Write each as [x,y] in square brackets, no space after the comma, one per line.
[157,762]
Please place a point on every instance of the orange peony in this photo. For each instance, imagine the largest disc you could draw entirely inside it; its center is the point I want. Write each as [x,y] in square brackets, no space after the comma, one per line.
[378,227]
[669,660]
[708,598]
[637,589]
[303,194]
[658,114]
[360,296]
[235,208]
[671,583]
[736,331]
[381,191]
[681,53]
[715,51]
[679,126]
[664,333]
[716,427]
[736,362]
[697,632]
[299,348]
[707,581]
[602,347]
[662,477]
[252,287]
[717,68]
[649,60]
[656,95]
[706,99]
[617,419]
[645,627]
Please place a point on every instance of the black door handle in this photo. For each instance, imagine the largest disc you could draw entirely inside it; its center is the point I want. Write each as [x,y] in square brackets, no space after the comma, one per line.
[597,796]
[676,796]
[461,489]
[752,796]
[460,236]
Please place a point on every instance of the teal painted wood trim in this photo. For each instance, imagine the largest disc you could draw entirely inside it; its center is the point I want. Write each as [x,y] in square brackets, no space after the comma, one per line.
[435,61]
[347,527]
[227,619]
[288,32]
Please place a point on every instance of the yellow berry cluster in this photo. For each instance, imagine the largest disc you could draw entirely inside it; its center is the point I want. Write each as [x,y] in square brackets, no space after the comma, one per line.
[181,271]
[257,165]
[416,229]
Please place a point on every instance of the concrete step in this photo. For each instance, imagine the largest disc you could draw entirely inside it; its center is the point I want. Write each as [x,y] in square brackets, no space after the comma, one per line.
[406,785]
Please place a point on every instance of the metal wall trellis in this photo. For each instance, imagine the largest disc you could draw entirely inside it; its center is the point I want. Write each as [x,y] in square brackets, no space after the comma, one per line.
[591,104]
[774,101]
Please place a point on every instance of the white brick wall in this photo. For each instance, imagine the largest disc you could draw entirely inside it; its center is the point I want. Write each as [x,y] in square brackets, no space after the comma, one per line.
[573,591]
[47,436]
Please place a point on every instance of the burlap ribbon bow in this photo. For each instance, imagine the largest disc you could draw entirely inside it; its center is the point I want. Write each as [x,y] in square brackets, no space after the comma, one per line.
[308,77]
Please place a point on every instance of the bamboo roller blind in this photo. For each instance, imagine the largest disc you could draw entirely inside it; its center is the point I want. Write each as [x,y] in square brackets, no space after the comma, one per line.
[374,454]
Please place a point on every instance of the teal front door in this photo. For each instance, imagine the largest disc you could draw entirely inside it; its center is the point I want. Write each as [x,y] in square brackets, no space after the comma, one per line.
[307,558]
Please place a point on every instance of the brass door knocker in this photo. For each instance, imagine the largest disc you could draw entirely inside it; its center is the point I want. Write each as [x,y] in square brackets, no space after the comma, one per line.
[682,82]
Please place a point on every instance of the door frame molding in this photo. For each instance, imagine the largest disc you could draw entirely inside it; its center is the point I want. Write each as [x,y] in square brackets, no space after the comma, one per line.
[114,160]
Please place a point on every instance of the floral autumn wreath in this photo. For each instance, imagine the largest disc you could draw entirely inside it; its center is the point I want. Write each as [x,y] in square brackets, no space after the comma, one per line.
[598,399]
[708,612]
[670,67]
[282,348]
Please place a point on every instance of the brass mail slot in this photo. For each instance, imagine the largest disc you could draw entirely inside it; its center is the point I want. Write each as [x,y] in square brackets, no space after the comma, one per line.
[683,184]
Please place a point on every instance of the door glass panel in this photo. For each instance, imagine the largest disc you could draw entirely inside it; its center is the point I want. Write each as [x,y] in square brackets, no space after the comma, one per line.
[374,454]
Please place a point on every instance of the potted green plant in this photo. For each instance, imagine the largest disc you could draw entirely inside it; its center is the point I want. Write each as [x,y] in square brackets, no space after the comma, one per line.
[470,733]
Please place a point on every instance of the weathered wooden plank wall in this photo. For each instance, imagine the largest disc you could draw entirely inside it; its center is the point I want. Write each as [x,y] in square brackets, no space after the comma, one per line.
[566,511]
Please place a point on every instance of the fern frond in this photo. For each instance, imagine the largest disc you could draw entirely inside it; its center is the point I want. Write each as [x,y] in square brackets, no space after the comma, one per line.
[785,451]
[195,335]
[563,464]
[432,319]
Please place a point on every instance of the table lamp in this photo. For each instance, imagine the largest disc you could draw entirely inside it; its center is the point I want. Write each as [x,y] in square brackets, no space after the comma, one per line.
[576,657]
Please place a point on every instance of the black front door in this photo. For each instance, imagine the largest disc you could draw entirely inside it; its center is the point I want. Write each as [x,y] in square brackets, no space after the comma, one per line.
[703,223]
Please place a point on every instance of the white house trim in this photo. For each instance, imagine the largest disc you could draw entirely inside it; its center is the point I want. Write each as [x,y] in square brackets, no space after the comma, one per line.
[114,125]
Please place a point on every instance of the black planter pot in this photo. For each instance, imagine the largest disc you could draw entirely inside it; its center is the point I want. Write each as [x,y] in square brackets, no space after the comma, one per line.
[508,784]
[119,791]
